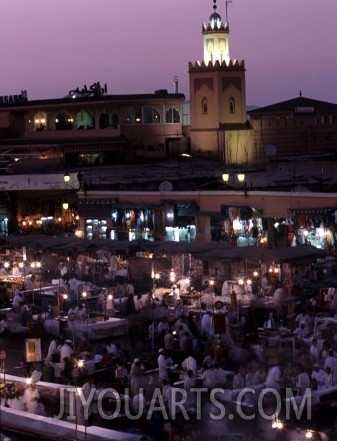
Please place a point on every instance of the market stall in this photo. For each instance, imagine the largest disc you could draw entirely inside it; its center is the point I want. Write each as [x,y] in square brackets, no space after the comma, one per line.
[94,329]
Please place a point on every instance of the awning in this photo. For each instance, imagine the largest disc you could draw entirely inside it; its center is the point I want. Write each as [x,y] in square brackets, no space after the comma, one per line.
[322,210]
[213,250]
[95,148]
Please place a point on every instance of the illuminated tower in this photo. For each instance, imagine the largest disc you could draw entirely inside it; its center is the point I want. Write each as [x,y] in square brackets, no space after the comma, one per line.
[219,127]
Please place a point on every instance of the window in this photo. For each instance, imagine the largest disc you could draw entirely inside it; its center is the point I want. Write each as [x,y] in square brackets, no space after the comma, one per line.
[63,121]
[151,116]
[133,116]
[104,120]
[231,105]
[84,121]
[204,105]
[172,116]
[40,121]
[108,119]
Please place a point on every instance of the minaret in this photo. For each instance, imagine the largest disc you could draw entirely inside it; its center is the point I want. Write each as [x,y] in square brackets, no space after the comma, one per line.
[216,39]
[218,97]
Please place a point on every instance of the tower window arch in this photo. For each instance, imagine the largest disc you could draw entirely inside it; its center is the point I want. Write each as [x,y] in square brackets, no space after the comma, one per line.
[204,105]
[172,116]
[231,105]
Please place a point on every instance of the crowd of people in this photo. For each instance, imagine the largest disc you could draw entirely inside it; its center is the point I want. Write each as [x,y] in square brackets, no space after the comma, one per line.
[187,348]
[185,352]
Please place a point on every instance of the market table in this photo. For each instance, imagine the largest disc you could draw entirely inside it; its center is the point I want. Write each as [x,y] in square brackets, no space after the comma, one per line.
[93,329]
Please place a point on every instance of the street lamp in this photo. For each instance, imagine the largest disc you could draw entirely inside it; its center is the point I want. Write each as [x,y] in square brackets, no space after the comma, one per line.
[74,185]
[66,178]
[241,177]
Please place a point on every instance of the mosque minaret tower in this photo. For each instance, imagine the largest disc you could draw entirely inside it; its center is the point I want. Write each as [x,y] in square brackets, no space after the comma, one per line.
[219,127]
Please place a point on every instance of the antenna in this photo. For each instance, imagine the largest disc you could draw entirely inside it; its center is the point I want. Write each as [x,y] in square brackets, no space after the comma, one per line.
[227,3]
[176,83]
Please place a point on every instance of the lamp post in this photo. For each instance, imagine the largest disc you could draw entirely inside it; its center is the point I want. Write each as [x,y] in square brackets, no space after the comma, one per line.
[75,374]
[74,185]
[36,266]
[3,356]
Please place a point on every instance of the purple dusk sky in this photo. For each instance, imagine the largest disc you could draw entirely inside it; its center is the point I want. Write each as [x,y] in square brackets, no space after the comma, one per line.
[50,47]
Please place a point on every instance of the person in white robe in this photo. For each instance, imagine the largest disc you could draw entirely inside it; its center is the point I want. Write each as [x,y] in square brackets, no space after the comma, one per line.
[31,398]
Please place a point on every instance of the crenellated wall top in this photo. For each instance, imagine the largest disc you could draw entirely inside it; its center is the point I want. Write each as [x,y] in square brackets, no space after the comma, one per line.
[231,65]
[223,27]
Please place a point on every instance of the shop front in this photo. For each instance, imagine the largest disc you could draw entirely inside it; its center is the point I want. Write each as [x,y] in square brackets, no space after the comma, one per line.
[180,220]
[314,226]
[115,220]
[110,219]
[239,226]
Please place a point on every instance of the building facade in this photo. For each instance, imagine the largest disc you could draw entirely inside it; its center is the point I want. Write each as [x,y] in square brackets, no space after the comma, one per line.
[141,166]
[296,127]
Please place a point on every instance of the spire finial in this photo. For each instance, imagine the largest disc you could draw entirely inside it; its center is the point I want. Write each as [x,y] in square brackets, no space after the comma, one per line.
[300,93]
[214,6]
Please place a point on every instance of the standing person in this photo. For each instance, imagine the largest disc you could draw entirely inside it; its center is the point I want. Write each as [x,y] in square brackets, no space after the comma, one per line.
[139,303]
[318,376]
[168,341]
[81,312]
[303,317]
[17,301]
[190,364]
[113,266]
[328,377]
[163,325]
[190,383]
[273,377]
[208,378]
[139,402]
[122,376]
[31,398]
[84,346]
[331,362]
[164,362]
[53,354]
[73,289]
[207,325]
[3,328]
[110,309]
[111,348]
[66,350]
[26,315]
[303,381]
[136,372]
[314,352]
[185,343]
[325,352]
[239,380]
[269,322]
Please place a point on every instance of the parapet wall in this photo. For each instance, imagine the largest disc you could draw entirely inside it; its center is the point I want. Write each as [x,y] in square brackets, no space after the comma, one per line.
[231,65]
